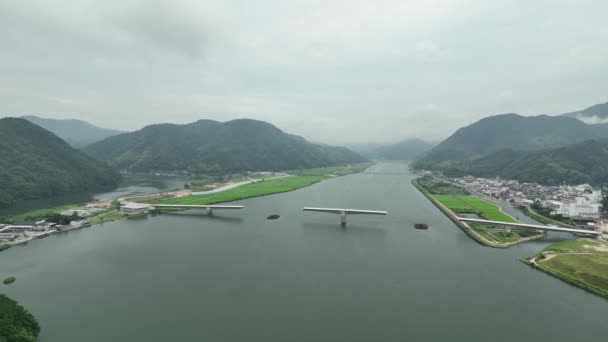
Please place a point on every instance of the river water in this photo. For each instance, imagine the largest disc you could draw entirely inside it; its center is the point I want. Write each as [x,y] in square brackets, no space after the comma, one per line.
[237,276]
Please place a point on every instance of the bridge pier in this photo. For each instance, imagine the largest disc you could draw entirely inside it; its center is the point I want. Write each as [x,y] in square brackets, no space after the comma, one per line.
[209,211]
[508,229]
[343,219]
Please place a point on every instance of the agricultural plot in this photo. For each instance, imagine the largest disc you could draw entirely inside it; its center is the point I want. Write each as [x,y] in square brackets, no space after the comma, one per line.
[261,188]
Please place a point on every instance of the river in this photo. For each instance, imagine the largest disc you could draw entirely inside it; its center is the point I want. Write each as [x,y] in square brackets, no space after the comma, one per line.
[237,276]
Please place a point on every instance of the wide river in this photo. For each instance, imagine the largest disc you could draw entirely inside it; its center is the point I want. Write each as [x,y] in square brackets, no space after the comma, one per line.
[237,276]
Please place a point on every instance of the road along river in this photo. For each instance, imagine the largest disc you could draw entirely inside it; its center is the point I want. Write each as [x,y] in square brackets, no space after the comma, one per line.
[237,276]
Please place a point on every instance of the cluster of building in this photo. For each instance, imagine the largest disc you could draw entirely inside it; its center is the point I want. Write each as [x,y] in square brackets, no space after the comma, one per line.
[575,202]
[26,230]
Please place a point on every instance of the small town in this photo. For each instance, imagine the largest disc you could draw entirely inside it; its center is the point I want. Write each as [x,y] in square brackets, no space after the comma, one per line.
[581,204]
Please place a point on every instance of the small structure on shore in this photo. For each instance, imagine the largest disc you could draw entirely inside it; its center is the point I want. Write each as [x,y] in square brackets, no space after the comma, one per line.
[132,208]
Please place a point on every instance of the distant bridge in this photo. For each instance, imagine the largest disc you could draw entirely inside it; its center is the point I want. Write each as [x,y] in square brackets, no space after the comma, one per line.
[509,226]
[344,212]
[209,208]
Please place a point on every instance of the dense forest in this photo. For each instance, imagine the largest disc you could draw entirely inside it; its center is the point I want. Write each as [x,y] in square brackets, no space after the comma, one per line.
[34,163]
[541,149]
[512,132]
[16,324]
[211,147]
[585,162]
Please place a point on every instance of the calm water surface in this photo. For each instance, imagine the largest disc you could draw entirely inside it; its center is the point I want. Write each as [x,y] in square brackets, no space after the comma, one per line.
[240,277]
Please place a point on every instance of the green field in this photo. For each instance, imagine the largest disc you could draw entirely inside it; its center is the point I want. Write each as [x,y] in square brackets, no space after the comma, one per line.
[299,179]
[458,200]
[581,262]
[472,204]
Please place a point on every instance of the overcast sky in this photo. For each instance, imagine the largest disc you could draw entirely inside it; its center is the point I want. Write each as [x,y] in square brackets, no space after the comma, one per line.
[337,72]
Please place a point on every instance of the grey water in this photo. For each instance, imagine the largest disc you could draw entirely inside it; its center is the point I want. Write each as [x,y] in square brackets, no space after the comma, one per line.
[237,276]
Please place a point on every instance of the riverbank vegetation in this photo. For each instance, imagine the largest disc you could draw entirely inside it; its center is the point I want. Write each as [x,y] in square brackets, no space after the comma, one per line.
[296,180]
[460,201]
[581,262]
[16,324]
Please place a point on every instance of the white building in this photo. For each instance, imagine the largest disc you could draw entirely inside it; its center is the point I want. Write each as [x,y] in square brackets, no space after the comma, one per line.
[75,212]
[132,208]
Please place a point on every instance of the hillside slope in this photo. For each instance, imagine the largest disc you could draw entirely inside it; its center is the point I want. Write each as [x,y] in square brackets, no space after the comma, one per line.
[212,147]
[585,162]
[34,163]
[597,114]
[75,132]
[508,131]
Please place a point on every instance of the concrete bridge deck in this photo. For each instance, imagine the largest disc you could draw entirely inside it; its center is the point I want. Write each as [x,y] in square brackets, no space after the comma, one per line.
[344,212]
[594,233]
[209,208]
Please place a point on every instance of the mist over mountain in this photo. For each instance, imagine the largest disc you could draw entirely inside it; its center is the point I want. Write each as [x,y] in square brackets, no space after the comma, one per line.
[35,163]
[75,132]
[597,114]
[407,149]
[213,147]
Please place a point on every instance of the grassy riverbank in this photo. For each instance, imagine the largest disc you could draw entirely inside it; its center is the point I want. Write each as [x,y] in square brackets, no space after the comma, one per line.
[581,262]
[296,180]
[453,201]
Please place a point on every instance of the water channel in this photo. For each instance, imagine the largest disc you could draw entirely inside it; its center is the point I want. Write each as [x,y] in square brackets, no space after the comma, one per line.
[237,276]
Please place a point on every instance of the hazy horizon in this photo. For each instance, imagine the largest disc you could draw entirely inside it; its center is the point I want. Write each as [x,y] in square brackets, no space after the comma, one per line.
[337,72]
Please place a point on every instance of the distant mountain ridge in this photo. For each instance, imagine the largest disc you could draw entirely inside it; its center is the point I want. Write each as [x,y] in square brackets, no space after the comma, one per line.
[209,147]
[35,163]
[543,149]
[509,131]
[75,132]
[408,149]
[597,114]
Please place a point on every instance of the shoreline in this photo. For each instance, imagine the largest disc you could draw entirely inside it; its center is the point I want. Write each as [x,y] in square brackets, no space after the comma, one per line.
[531,261]
[125,217]
[466,228]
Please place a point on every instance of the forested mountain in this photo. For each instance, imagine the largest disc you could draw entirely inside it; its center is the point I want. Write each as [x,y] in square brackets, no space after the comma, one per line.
[597,114]
[585,162]
[408,149]
[75,132]
[35,163]
[213,147]
[508,131]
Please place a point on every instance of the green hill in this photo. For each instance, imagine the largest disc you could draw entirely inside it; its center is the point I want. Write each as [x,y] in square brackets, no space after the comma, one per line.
[34,163]
[75,132]
[211,147]
[408,149]
[507,131]
[585,162]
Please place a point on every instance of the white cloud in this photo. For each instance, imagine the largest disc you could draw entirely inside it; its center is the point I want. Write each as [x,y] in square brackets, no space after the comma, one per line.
[334,71]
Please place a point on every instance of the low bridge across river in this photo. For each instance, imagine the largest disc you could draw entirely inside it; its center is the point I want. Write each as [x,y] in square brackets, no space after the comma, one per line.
[209,208]
[344,212]
[509,226]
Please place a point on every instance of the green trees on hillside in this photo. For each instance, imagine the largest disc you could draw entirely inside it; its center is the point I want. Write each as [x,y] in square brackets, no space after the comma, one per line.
[35,163]
[16,324]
